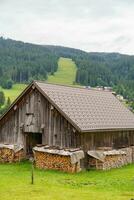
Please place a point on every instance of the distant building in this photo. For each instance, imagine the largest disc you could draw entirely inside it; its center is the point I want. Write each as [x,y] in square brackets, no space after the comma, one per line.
[120,97]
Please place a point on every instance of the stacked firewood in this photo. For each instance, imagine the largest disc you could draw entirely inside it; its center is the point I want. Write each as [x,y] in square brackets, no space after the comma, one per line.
[10,155]
[45,160]
[6,155]
[111,160]
[115,161]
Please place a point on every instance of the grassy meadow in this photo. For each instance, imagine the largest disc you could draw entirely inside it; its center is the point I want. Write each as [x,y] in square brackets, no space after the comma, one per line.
[65,74]
[116,184]
[14,92]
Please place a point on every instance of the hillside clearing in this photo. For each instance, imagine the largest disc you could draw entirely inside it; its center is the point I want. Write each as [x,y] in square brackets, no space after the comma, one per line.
[53,185]
[14,92]
[65,74]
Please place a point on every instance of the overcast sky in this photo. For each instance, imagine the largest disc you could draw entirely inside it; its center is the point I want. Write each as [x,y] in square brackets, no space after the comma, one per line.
[92,25]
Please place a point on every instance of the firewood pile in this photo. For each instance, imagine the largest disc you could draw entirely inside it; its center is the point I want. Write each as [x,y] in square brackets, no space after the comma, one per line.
[113,161]
[106,160]
[11,153]
[58,159]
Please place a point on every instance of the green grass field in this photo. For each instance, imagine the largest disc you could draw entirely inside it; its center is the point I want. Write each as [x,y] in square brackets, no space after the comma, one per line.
[117,184]
[66,72]
[14,92]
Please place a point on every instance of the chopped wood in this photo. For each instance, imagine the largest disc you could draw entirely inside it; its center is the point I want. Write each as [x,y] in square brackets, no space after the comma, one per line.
[9,154]
[53,158]
[57,162]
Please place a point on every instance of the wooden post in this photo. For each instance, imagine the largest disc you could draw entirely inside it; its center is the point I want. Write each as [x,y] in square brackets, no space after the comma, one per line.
[32,174]
[32,170]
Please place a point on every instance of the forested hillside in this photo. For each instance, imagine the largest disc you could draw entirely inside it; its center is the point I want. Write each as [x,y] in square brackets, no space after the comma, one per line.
[108,69]
[21,62]
[102,69]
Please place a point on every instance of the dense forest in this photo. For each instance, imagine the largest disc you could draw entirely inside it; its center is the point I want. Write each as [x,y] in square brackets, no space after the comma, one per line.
[108,69]
[22,62]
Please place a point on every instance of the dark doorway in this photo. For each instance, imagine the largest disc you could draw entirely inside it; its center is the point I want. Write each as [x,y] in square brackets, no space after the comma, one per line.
[32,139]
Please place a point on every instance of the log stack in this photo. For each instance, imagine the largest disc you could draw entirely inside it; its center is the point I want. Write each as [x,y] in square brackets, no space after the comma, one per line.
[11,153]
[6,155]
[63,160]
[106,160]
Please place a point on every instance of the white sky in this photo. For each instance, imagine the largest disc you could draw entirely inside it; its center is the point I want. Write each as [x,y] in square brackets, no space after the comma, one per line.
[92,25]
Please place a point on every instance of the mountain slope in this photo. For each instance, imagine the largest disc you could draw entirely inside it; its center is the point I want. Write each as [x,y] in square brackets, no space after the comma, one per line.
[22,62]
[65,74]
[102,69]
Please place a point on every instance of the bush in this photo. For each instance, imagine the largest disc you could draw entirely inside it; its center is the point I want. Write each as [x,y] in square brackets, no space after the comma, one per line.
[7,84]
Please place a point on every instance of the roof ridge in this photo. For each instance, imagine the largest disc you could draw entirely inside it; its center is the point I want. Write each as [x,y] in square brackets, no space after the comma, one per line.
[72,86]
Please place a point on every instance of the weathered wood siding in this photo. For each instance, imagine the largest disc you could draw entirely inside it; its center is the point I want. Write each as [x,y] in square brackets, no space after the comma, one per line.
[117,139]
[34,114]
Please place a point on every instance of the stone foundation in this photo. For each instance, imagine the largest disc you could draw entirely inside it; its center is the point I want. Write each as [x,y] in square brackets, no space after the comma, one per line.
[9,154]
[111,159]
[57,160]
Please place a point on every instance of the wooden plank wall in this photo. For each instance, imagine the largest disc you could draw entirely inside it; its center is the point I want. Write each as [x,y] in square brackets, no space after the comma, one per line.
[115,140]
[35,114]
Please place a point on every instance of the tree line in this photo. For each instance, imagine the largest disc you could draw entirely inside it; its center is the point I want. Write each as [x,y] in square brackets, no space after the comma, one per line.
[108,69]
[22,62]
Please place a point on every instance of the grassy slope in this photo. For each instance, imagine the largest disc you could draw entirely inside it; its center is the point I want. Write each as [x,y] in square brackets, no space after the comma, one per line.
[15,184]
[66,72]
[65,75]
[14,92]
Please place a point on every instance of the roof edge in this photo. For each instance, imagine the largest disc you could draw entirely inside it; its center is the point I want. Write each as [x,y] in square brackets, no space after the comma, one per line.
[107,130]
[81,87]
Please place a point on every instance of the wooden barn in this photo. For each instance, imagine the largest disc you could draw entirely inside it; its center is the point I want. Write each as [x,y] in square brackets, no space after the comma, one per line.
[67,117]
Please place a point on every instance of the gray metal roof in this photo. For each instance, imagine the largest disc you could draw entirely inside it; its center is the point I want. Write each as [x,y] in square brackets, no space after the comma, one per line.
[87,109]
